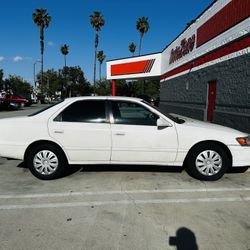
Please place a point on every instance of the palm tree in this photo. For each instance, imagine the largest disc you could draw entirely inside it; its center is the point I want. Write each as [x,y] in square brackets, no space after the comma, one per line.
[142,26]
[101,57]
[97,21]
[132,48]
[42,20]
[65,51]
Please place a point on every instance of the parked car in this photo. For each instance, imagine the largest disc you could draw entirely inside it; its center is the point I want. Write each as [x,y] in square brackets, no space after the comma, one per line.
[152,100]
[2,103]
[28,99]
[12,103]
[41,98]
[146,98]
[120,130]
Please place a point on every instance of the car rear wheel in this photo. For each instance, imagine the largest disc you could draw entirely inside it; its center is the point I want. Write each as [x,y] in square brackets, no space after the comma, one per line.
[46,162]
[207,161]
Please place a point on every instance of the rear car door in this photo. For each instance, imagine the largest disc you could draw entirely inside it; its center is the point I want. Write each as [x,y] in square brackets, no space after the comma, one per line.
[83,129]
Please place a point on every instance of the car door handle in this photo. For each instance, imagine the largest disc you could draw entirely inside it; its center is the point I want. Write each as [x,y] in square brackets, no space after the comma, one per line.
[120,134]
[58,131]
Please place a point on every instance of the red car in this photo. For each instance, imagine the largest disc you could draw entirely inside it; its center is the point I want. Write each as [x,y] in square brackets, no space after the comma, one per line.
[10,103]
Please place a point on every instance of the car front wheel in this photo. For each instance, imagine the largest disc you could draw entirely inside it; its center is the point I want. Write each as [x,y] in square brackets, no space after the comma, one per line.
[46,162]
[207,162]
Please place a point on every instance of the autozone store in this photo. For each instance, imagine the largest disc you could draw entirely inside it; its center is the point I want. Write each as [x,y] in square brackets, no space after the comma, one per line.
[205,71]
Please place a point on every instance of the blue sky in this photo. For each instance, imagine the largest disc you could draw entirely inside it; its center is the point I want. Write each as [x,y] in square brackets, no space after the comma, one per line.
[19,42]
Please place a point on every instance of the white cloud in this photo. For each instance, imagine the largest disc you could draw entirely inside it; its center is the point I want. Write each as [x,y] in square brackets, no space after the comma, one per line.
[50,43]
[18,59]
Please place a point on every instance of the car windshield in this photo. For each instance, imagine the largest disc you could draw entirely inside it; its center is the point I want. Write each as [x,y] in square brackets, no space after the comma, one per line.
[173,118]
[45,108]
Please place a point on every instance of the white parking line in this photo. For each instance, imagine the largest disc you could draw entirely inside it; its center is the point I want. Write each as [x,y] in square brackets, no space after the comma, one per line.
[66,194]
[124,202]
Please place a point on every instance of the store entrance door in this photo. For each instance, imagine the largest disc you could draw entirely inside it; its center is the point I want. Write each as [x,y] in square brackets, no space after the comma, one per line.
[211,99]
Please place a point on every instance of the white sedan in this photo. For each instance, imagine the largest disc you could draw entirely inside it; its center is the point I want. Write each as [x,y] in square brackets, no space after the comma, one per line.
[120,130]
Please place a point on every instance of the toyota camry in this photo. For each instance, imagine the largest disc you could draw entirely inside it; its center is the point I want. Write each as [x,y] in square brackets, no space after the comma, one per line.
[120,130]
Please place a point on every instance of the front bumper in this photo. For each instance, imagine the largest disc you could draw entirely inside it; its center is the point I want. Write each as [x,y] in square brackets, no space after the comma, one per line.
[240,156]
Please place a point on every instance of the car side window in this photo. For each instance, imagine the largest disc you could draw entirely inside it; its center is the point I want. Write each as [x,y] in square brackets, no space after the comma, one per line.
[93,111]
[132,114]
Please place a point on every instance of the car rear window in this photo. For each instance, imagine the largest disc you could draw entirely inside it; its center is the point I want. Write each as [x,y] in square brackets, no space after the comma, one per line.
[93,111]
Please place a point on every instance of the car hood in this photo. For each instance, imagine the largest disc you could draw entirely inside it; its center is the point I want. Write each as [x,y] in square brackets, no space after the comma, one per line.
[198,131]
[15,100]
[211,126]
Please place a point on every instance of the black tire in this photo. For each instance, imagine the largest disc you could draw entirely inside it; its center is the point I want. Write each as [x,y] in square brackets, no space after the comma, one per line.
[217,161]
[57,161]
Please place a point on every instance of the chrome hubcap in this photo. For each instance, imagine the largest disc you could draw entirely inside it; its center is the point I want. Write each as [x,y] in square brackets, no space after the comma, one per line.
[45,162]
[208,162]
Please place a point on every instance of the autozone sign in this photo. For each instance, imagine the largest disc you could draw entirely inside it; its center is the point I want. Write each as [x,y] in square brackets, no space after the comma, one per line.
[186,46]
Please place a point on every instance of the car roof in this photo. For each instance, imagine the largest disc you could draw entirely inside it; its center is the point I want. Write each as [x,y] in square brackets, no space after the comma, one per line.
[123,98]
[50,111]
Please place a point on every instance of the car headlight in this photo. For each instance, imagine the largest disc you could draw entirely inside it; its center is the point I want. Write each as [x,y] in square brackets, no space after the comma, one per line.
[244,141]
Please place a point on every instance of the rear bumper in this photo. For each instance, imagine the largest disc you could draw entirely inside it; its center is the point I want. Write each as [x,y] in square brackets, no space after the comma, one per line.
[12,151]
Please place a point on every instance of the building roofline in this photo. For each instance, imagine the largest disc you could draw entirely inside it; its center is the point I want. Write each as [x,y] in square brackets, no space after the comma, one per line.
[131,57]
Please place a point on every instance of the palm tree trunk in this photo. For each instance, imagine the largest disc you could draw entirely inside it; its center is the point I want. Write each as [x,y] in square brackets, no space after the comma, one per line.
[95,70]
[42,50]
[96,45]
[65,64]
[141,35]
[100,71]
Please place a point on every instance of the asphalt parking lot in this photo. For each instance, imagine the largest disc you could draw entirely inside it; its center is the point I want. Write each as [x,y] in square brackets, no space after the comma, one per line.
[119,207]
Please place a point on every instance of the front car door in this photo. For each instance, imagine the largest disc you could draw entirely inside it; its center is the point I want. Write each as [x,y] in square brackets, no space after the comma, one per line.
[136,137]
[83,129]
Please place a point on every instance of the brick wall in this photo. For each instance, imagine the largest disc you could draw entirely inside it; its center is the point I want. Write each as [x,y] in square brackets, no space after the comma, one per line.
[186,95]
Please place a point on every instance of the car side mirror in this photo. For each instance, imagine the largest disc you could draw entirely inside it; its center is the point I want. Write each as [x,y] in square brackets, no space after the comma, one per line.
[162,123]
